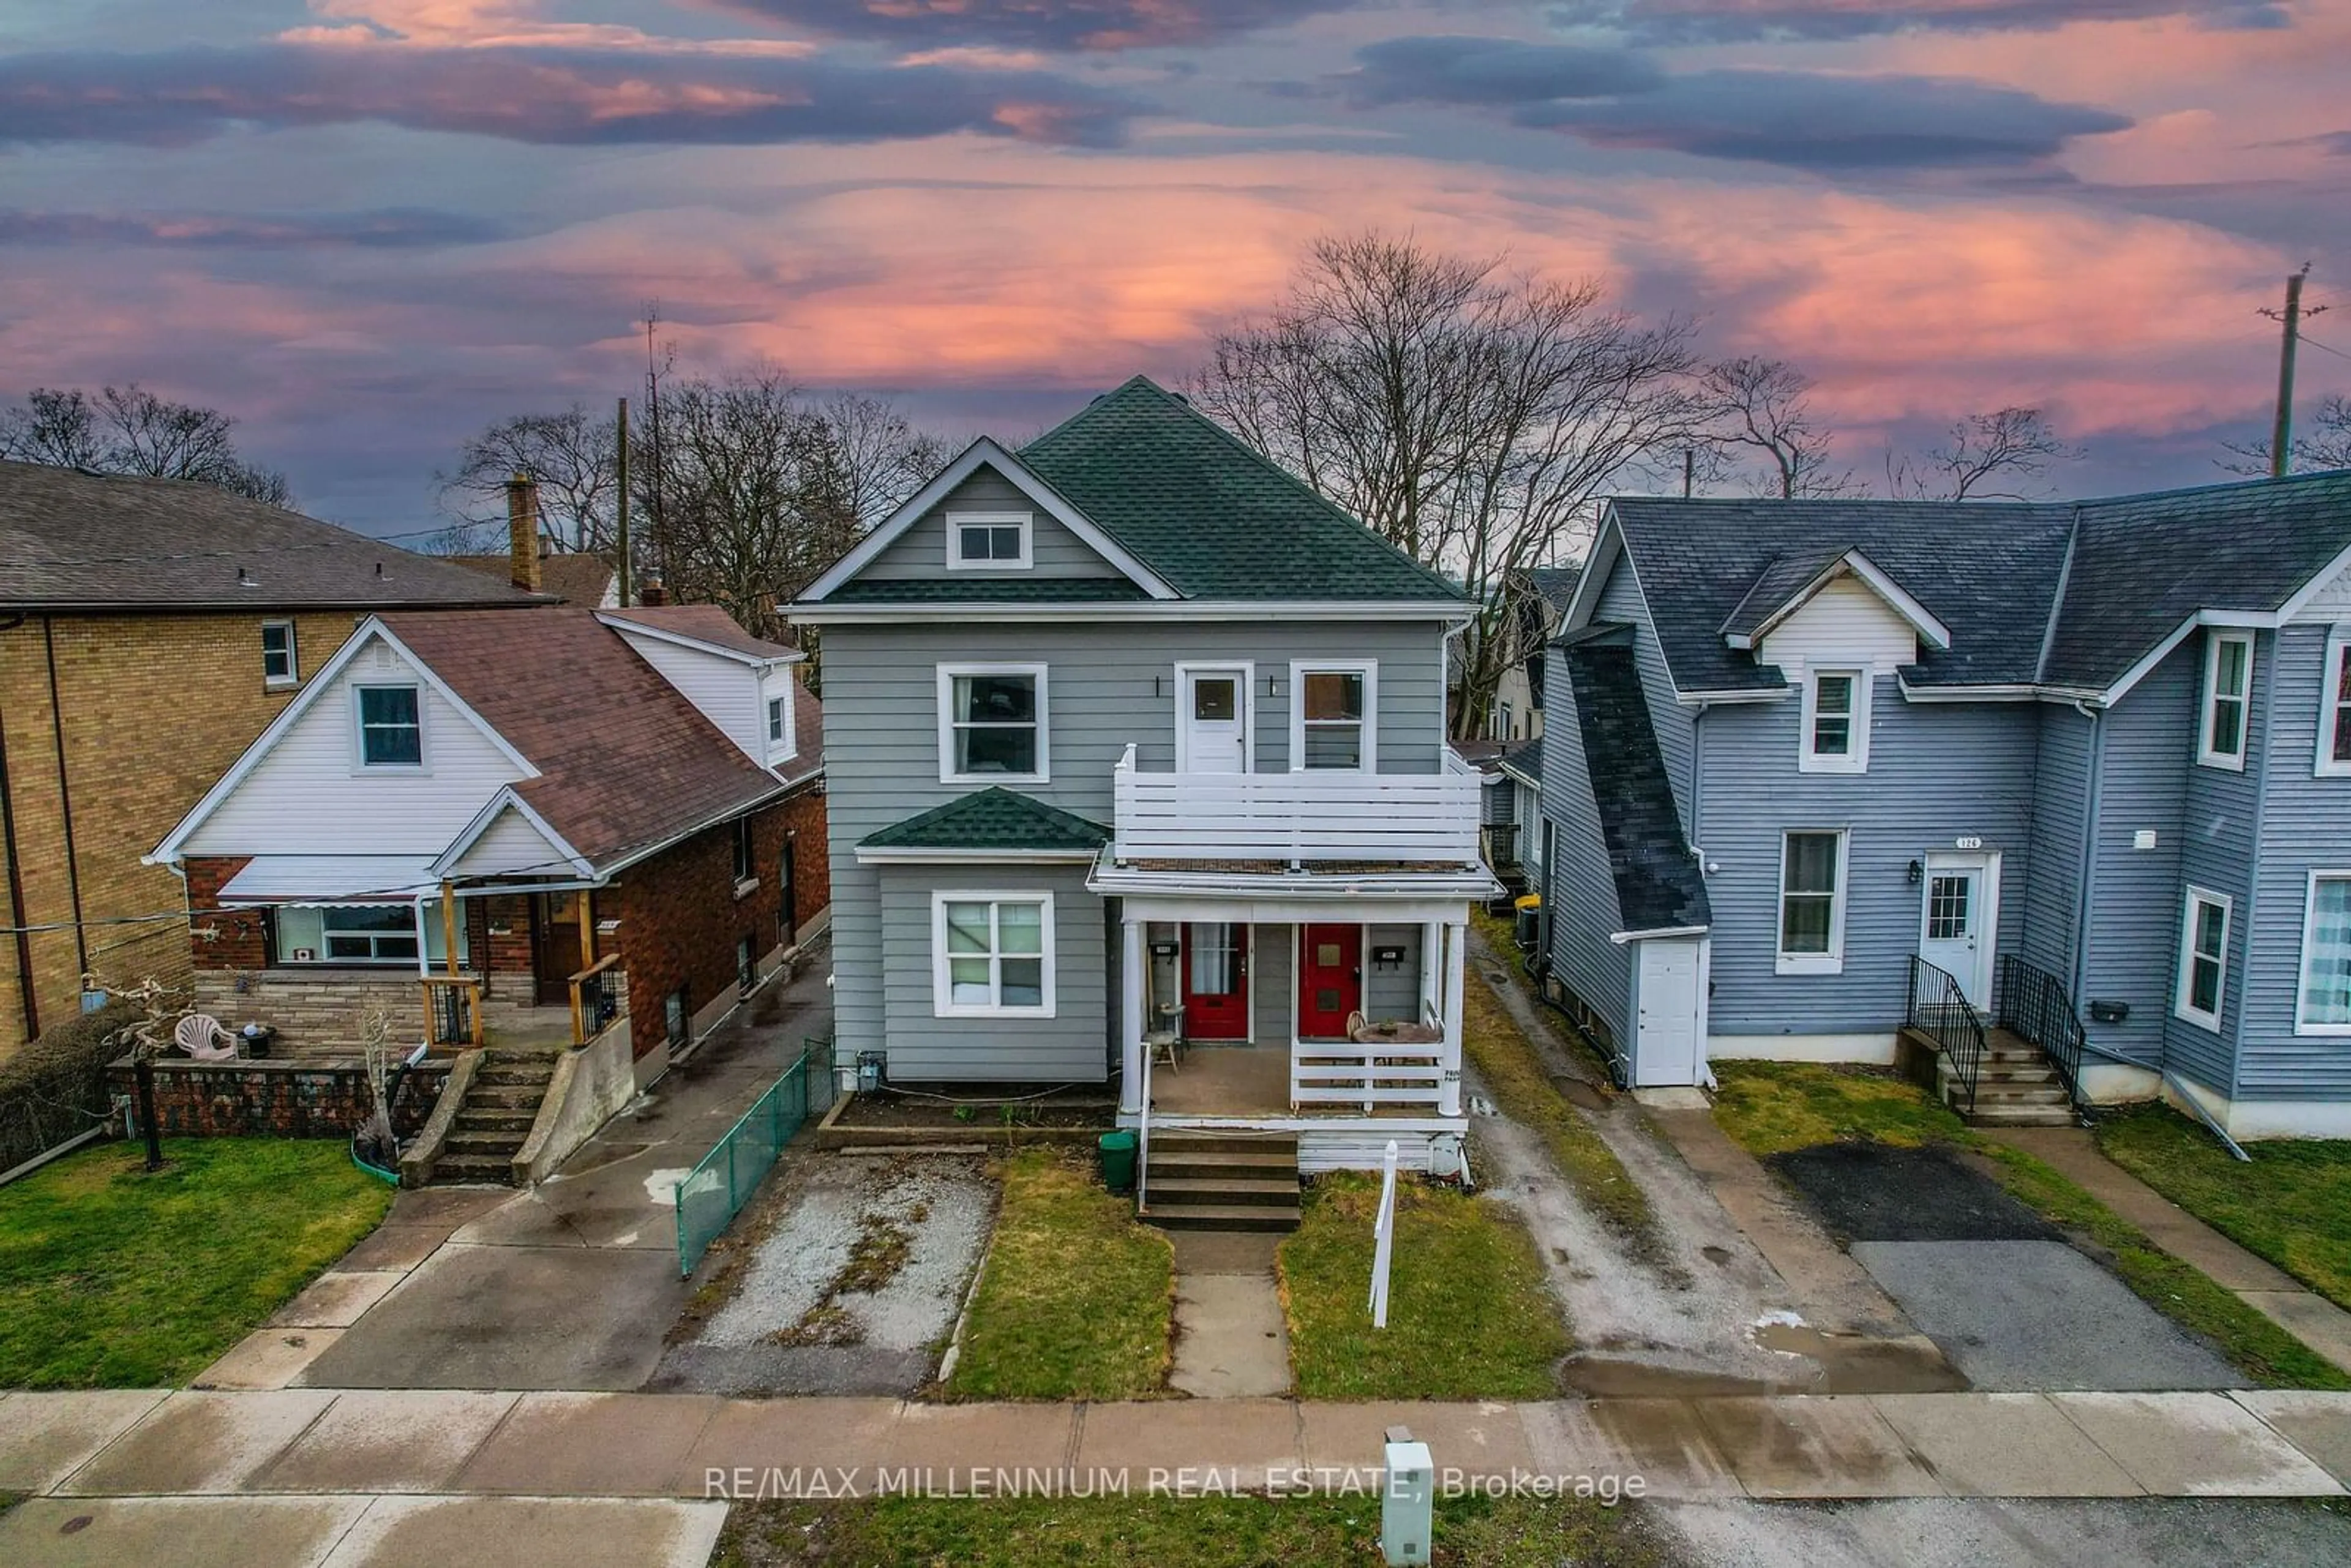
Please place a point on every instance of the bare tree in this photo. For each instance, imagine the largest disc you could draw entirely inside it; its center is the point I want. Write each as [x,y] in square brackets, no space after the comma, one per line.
[573,454]
[2324,443]
[878,458]
[1983,458]
[130,430]
[1472,417]
[1765,406]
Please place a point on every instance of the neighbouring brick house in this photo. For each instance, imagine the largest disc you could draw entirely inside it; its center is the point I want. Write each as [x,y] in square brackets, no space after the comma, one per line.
[150,628]
[641,790]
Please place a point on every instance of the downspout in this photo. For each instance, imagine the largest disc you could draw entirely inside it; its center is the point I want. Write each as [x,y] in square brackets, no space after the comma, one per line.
[65,802]
[16,915]
[2090,823]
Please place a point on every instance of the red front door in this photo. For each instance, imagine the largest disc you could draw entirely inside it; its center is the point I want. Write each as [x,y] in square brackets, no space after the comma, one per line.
[1216,982]
[1330,980]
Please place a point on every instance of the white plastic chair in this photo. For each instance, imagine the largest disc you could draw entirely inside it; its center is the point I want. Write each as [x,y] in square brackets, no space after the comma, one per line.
[202,1037]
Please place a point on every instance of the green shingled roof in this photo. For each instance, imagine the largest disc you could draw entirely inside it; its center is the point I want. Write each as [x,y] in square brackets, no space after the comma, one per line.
[991,819]
[991,588]
[1209,515]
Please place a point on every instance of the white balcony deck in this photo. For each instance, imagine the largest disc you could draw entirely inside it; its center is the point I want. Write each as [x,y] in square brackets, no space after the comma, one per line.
[1298,818]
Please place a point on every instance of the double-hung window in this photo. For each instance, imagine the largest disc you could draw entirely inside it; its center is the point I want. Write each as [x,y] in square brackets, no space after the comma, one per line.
[2335,706]
[2323,1000]
[2228,700]
[278,666]
[742,848]
[992,724]
[779,723]
[1331,722]
[992,955]
[1812,904]
[2203,958]
[1836,722]
[990,541]
[392,726]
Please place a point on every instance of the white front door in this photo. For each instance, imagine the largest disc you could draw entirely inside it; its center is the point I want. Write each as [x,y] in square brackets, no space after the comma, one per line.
[1212,720]
[1959,921]
[1668,1042]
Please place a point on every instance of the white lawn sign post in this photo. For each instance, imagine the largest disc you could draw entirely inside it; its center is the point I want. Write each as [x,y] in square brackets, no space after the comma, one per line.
[1383,1239]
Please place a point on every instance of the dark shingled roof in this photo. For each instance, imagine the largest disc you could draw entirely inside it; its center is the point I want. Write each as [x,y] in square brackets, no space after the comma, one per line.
[625,761]
[75,540]
[991,819]
[1658,883]
[1556,584]
[703,623]
[988,588]
[1209,515]
[573,576]
[2140,566]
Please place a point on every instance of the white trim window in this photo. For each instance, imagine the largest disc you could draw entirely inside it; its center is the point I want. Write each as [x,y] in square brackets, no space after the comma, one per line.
[992,955]
[990,541]
[1333,715]
[779,723]
[2203,958]
[352,933]
[2323,997]
[280,666]
[1836,722]
[2228,700]
[2334,707]
[1811,902]
[992,724]
[390,723]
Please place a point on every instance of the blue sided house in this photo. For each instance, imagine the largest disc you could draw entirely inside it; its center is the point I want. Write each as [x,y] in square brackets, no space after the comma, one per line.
[2052,801]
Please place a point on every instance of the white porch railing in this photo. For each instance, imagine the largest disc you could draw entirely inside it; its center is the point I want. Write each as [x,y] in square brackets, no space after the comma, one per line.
[1299,817]
[1345,1073]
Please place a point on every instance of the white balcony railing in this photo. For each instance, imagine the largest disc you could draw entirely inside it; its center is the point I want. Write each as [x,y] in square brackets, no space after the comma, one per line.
[1297,817]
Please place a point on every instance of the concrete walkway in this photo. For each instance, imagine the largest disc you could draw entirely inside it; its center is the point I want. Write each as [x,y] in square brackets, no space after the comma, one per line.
[2311,1318]
[1232,1339]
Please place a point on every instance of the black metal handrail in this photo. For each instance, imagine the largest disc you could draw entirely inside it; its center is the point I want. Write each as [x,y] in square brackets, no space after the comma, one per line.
[1941,1011]
[2033,1004]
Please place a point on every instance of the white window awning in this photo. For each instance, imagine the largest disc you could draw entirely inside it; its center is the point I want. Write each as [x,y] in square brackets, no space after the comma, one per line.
[331,879]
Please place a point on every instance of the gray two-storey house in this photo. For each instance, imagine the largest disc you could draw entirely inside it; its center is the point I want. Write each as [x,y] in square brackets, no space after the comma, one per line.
[1816,771]
[1138,775]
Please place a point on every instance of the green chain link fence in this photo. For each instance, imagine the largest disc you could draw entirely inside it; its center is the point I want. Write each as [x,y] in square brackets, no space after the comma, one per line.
[716,1190]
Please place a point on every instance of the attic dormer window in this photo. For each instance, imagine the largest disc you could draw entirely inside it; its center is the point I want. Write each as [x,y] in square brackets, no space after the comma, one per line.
[1836,722]
[990,541]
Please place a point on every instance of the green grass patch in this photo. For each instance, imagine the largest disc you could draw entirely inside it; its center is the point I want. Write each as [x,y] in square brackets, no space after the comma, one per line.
[1469,1316]
[1772,1107]
[2290,1204]
[1076,1299]
[1214,1531]
[1513,1070]
[110,1277]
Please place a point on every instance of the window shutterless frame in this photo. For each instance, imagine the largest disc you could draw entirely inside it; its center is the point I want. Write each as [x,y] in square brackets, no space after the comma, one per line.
[1810,857]
[1328,730]
[2322,991]
[2202,992]
[2334,707]
[952,724]
[280,661]
[991,943]
[990,541]
[387,735]
[2225,716]
[1835,736]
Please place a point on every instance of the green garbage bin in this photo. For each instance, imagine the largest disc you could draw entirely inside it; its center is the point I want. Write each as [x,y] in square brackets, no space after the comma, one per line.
[1118,1161]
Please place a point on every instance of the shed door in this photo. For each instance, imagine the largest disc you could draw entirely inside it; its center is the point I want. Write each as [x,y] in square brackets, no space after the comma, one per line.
[1668,1042]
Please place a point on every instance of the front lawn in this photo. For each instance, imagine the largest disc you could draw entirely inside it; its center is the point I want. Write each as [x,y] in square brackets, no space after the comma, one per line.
[1076,1298]
[2290,1204]
[1469,1315]
[1773,1107]
[1213,1531]
[113,1278]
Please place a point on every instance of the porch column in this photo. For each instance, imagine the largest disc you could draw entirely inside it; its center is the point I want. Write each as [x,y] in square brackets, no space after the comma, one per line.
[1130,1023]
[1432,972]
[1457,949]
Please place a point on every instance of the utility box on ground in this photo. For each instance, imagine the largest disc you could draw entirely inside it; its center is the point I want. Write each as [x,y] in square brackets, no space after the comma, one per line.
[1409,1500]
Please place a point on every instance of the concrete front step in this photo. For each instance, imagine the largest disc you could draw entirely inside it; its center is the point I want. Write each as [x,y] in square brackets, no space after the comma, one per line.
[1170,1140]
[1228,1191]
[497,1146]
[492,1120]
[1221,1216]
[2001,1115]
[473,1169]
[1185,1166]
[514,1077]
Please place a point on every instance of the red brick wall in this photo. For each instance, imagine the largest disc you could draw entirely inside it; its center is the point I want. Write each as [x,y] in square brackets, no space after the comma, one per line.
[225,939]
[680,919]
[273,1099]
[505,935]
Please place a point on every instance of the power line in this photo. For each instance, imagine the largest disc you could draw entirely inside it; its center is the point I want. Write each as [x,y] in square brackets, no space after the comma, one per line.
[2324,348]
[403,892]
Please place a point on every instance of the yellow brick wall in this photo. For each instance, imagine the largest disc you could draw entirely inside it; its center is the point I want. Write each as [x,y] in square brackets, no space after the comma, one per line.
[152,710]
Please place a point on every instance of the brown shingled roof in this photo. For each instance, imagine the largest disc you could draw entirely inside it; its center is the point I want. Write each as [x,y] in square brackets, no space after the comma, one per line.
[626,763]
[576,577]
[703,623]
[75,540]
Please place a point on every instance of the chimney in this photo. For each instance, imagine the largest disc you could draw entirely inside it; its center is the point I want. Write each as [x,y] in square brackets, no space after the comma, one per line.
[522,531]
[649,591]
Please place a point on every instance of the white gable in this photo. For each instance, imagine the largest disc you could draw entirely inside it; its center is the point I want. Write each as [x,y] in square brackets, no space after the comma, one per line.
[726,690]
[2331,603]
[1844,626]
[307,795]
[511,846]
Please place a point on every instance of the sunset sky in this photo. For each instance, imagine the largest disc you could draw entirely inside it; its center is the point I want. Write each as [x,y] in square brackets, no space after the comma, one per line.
[368,226]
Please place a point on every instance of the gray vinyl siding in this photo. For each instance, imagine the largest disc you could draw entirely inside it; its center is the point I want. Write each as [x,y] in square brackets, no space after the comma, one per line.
[1938,772]
[1677,728]
[1582,898]
[2061,808]
[1107,684]
[1069,1046]
[1392,993]
[2306,826]
[1497,802]
[1271,982]
[921,550]
[2216,842]
[2146,751]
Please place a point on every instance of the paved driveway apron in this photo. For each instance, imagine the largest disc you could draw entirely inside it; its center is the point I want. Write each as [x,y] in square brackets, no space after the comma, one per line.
[1996,1287]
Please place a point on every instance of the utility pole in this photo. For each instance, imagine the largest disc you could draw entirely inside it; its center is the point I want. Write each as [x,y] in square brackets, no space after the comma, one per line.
[621,527]
[2281,429]
[1690,469]
[653,413]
